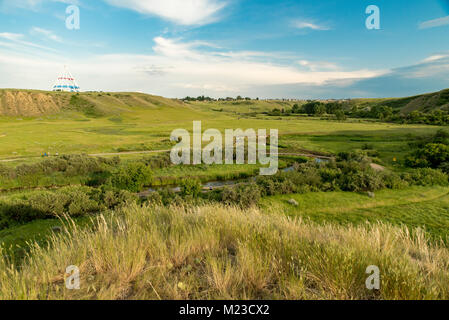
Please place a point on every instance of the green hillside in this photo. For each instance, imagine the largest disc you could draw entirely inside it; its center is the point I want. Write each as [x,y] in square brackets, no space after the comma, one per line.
[32,103]
[35,103]
[424,103]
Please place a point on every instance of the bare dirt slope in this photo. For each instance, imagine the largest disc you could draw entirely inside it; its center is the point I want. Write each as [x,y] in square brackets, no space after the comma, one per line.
[424,103]
[33,103]
[30,103]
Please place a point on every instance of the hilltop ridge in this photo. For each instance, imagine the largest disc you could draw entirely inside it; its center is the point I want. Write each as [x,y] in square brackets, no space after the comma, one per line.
[424,102]
[33,103]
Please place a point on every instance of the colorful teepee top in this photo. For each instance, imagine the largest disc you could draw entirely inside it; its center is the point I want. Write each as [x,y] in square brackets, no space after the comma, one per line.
[66,82]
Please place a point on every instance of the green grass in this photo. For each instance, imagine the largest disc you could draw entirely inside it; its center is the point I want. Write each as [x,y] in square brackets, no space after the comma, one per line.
[213,252]
[140,122]
[16,240]
[417,207]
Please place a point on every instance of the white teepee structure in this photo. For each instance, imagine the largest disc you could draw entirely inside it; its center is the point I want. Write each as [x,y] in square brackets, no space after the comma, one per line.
[66,82]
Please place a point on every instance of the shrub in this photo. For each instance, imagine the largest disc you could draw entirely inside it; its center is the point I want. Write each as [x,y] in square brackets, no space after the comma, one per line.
[74,201]
[159,162]
[433,154]
[67,165]
[191,187]
[114,199]
[362,181]
[155,198]
[244,196]
[394,181]
[426,177]
[168,196]
[6,172]
[132,177]
[444,167]
[267,186]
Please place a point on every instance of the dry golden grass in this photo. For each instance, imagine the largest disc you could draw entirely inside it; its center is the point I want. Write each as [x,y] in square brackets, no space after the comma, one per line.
[214,252]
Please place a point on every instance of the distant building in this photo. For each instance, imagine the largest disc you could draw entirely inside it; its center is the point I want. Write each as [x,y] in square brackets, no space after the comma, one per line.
[66,82]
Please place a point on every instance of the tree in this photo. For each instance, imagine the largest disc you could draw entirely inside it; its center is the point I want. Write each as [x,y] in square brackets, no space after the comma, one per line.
[296,108]
[333,107]
[381,112]
[191,187]
[132,177]
[340,115]
[314,108]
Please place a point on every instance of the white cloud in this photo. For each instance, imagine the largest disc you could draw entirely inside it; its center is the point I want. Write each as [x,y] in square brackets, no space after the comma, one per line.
[32,4]
[17,42]
[183,12]
[47,33]
[11,36]
[318,65]
[434,23]
[175,69]
[434,65]
[436,57]
[299,24]
[214,87]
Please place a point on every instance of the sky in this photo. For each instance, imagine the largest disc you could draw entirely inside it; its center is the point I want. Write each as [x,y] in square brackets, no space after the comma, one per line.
[301,49]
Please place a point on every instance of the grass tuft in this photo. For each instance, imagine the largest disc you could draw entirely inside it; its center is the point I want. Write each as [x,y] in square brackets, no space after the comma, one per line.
[216,252]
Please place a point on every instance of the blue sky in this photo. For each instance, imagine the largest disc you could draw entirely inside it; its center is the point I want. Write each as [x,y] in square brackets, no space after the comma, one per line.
[266,48]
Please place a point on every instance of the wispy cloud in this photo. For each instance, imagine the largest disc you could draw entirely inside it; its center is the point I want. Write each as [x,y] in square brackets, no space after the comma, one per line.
[183,12]
[318,65]
[176,68]
[18,40]
[11,36]
[434,23]
[46,33]
[180,68]
[300,24]
[32,4]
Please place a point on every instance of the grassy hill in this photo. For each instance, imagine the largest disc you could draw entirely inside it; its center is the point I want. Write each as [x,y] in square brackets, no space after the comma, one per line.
[216,252]
[317,249]
[244,107]
[33,103]
[423,103]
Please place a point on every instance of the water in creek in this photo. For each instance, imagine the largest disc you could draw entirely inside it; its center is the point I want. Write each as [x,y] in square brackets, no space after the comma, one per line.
[213,185]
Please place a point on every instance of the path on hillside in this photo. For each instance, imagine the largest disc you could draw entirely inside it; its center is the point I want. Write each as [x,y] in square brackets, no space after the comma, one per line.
[92,155]
[307,155]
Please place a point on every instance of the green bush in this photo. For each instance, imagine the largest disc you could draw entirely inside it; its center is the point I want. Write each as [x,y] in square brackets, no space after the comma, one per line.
[159,162]
[67,165]
[167,196]
[6,172]
[132,177]
[191,187]
[394,181]
[432,155]
[74,201]
[244,196]
[362,181]
[113,199]
[426,177]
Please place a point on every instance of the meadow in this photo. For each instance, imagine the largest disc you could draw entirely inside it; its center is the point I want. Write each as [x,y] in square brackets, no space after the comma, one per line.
[305,234]
[144,127]
[212,252]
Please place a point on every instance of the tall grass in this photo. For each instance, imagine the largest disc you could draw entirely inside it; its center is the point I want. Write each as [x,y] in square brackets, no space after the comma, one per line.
[215,252]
